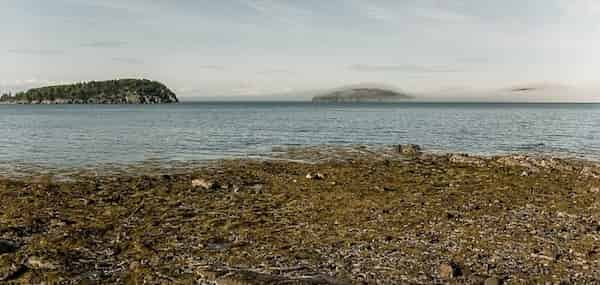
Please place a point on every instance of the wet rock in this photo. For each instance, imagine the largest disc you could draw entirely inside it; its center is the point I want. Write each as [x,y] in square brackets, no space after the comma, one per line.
[11,271]
[492,281]
[315,176]
[409,149]
[448,271]
[517,161]
[7,246]
[36,262]
[535,164]
[204,184]
[256,187]
[465,159]
[589,172]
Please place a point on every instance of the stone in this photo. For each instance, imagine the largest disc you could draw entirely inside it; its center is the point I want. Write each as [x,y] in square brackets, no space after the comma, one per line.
[595,190]
[10,271]
[465,159]
[36,262]
[204,184]
[589,172]
[448,271]
[492,281]
[7,246]
[315,176]
[256,187]
[409,149]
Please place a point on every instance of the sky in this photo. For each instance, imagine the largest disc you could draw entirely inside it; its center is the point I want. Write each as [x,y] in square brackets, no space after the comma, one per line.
[248,48]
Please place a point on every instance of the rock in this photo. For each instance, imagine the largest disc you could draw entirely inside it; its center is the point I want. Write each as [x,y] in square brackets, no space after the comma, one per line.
[256,187]
[534,164]
[409,149]
[589,172]
[204,184]
[517,161]
[524,174]
[465,159]
[35,262]
[492,281]
[448,271]
[7,246]
[595,190]
[11,271]
[315,176]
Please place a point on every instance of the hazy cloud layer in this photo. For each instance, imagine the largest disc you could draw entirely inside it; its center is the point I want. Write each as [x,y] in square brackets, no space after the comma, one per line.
[212,67]
[28,51]
[127,60]
[105,44]
[410,68]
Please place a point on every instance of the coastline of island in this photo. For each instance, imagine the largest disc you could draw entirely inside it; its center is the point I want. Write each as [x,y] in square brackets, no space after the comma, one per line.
[121,91]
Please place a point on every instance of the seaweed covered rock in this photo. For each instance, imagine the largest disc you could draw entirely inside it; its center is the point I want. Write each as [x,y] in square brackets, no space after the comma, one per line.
[409,149]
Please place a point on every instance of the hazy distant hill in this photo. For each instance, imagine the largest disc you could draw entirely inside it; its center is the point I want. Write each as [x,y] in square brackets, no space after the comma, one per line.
[362,94]
[122,91]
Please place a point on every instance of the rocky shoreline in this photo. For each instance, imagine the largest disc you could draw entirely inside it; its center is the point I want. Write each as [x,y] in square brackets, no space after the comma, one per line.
[394,217]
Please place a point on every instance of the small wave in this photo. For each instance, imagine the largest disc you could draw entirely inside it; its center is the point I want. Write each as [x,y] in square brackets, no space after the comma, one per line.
[530,147]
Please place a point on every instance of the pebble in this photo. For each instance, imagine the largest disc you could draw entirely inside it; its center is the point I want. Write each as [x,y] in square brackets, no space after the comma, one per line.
[492,281]
[465,159]
[201,183]
[409,149]
[315,176]
[447,271]
[35,262]
[257,187]
[7,246]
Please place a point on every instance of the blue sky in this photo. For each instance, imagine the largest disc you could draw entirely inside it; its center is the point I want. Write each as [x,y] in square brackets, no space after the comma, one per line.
[244,47]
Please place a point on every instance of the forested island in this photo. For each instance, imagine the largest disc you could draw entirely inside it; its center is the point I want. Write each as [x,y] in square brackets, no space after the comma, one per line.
[121,91]
[362,94]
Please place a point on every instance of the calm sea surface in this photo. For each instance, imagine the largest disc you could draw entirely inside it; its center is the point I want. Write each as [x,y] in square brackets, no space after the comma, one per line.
[84,135]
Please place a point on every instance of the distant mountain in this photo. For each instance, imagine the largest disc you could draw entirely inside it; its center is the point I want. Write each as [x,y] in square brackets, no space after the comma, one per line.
[122,91]
[362,94]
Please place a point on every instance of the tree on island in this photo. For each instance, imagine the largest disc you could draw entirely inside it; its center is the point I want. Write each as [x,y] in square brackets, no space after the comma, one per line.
[109,92]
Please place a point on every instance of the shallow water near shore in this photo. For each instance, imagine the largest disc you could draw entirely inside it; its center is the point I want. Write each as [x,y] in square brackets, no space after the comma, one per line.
[89,135]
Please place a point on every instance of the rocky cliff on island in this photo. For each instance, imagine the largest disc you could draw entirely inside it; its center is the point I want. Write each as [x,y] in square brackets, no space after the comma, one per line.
[362,94]
[122,91]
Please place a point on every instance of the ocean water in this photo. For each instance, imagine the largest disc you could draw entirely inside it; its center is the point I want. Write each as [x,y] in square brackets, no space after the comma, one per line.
[87,135]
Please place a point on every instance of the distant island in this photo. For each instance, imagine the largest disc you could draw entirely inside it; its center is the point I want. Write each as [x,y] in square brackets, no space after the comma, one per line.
[121,91]
[362,94]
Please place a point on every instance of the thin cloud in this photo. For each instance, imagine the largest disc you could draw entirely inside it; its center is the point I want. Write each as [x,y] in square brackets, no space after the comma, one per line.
[25,84]
[396,11]
[211,67]
[279,11]
[127,60]
[378,13]
[28,51]
[105,44]
[276,71]
[441,15]
[412,68]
